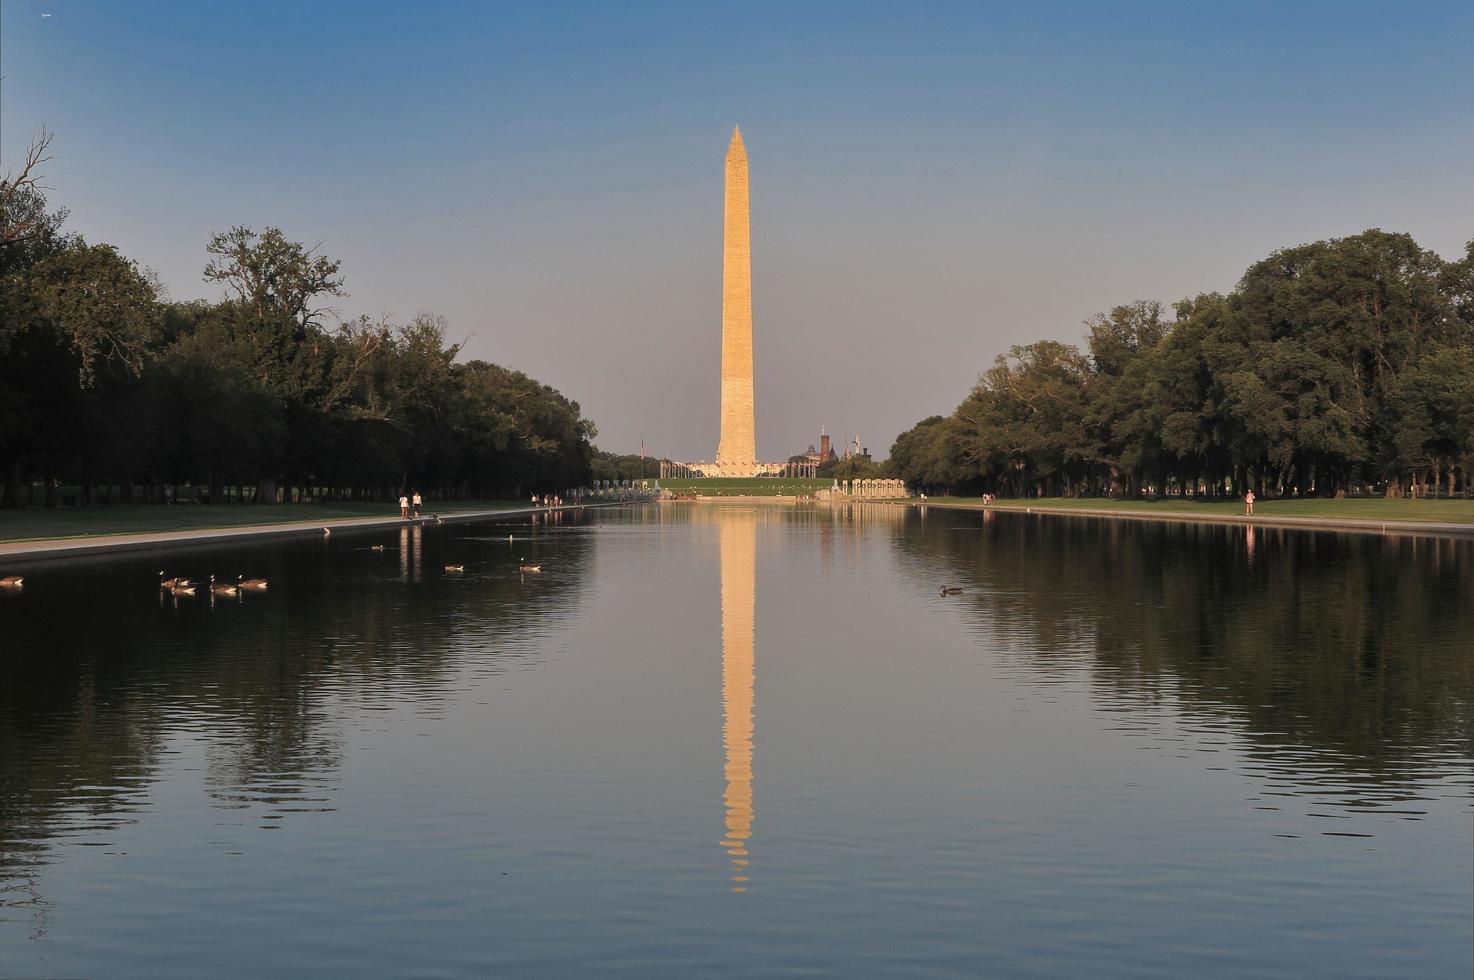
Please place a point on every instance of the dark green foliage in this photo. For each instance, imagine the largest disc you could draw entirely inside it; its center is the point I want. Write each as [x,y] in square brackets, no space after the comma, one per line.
[1335,366]
[611,466]
[257,397]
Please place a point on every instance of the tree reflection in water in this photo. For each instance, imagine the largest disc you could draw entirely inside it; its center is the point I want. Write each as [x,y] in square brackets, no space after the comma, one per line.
[1343,659]
[90,699]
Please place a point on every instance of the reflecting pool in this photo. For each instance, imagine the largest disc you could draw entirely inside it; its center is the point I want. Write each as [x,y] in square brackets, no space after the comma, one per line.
[746,739]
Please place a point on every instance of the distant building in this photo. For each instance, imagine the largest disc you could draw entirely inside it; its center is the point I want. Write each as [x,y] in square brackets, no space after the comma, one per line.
[814,458]
[853,450]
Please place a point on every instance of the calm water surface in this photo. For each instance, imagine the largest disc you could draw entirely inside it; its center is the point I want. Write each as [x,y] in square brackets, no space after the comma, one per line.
[735,739]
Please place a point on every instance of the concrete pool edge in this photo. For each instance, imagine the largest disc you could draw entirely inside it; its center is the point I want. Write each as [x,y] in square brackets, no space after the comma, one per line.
[1350,525]
[42,549]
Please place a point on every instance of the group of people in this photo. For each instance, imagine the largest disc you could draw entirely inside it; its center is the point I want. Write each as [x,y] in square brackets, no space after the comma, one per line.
[409,506]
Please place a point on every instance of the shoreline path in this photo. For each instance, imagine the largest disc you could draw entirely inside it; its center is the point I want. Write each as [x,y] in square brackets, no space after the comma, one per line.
[1354,525]
[39,549]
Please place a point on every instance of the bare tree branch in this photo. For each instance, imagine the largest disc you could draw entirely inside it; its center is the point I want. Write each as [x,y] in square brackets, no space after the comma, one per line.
[18,223]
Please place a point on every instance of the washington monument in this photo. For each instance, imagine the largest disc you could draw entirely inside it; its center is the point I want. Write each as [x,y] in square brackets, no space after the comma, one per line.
[737,443]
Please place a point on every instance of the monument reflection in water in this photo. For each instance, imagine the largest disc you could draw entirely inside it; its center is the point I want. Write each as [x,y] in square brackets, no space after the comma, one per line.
[738,550]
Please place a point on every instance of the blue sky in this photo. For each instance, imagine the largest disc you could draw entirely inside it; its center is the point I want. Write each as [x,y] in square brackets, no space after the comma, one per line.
[930,183]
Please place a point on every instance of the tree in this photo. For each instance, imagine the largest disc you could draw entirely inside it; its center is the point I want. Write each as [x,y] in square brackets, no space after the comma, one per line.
[24,220]
[1432,412]
[923,455]
[1024,425]
[1330,365]
[100,304]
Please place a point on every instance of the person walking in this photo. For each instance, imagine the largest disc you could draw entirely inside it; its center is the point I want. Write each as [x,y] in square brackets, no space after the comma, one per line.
[1249,504]
[404,506]
[417,503]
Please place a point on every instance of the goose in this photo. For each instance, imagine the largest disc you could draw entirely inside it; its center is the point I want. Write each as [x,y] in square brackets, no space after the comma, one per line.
[223,589]
[377,547]
[529,569]
[251,584]
[180,590]
[12,582]
[950,590]
[455,568]
[170,583]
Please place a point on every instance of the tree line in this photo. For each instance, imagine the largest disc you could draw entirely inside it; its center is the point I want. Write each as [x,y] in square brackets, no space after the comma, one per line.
[264,395]
[1340,366]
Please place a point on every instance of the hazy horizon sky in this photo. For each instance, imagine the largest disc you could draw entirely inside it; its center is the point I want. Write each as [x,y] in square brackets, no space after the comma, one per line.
[931,184]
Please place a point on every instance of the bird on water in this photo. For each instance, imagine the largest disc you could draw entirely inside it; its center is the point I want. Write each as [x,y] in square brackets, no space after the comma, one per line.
[950,590]
[12,582]
[455,568]
[223,588]
[251,584]
[528,569]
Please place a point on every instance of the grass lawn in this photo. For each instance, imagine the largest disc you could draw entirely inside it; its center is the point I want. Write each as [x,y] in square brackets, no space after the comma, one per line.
[1362,509]
[766,486]
[72,522]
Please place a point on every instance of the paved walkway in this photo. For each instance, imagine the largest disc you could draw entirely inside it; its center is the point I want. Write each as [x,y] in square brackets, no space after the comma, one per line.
[1349,524]
[114,543]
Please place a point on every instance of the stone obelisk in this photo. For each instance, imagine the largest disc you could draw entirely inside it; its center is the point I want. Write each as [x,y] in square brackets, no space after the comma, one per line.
[737,444]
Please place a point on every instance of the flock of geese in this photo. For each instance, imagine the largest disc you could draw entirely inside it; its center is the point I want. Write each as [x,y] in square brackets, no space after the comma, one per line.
[524,568]
[176,585]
